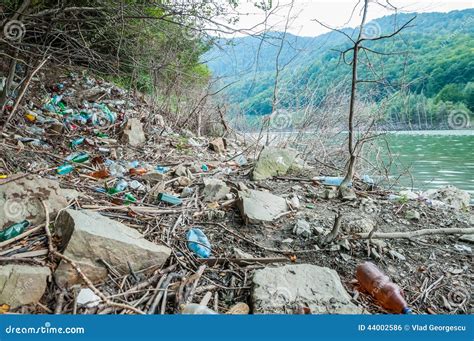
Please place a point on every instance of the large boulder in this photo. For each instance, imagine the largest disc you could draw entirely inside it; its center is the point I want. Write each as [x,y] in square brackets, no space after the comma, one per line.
[273,161]
[133,133]
[257,206]
[451,196]
[88,237]
[284,289]
[22,284]
[21,199]
[214,189]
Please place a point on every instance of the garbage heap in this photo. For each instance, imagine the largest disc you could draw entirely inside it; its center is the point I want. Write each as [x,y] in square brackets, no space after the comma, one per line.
[106,209]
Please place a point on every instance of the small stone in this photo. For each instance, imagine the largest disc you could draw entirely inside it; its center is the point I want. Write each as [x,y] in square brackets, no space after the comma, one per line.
[184,181]
[294,202]
[329,193]
[22,284]
[257,206]
[347,194]
[218,145]
[88,298]
[181,170]
[133,133]
[302,229]
[412,215]
[214,190]
[153,177]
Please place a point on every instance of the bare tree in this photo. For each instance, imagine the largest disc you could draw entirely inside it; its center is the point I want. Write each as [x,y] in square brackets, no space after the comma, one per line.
[357,47]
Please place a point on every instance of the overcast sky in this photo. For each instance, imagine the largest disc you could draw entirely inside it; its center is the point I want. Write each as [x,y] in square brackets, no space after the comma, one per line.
[336,13]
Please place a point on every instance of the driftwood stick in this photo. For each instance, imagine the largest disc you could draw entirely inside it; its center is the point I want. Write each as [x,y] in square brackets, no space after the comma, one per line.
[413,234]
[335,230]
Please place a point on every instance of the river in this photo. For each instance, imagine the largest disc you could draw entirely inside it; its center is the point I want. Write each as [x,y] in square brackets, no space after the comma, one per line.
[435,158]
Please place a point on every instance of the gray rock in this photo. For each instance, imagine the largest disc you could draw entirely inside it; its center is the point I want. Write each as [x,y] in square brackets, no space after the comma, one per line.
[282,289]
[88,237]
[347,194]
[355,223]
[22,284]
[257,206]
[273,161]
[412,215]
[329,193]
[302,229]
[20,200]
[451,196]
[133,133]
[214,190]
[181,170]
[153,177]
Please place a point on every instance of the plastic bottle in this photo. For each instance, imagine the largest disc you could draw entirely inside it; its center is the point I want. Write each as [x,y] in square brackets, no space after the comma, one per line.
[196,309]
[198,243]
[377,284]
[169,199]
[65,169]
[77,142]
[14,230]
[137,171]
[81,157]
[100,174]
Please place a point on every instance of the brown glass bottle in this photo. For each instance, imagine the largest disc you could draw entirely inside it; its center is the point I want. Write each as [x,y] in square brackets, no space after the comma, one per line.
[376,283]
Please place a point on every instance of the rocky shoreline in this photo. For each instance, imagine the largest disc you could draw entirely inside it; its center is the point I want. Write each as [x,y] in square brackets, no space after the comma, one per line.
[117,236]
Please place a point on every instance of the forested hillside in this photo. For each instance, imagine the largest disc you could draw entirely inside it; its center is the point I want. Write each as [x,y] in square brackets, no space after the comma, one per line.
[425,71]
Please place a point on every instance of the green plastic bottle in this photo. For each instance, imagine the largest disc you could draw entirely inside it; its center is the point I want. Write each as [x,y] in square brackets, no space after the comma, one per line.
[80,158]
[14,230]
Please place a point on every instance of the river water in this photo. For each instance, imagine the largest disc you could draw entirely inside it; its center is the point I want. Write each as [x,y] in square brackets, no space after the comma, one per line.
[435,158]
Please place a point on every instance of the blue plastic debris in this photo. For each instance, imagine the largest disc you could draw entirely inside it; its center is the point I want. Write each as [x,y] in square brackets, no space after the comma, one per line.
[198,243]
